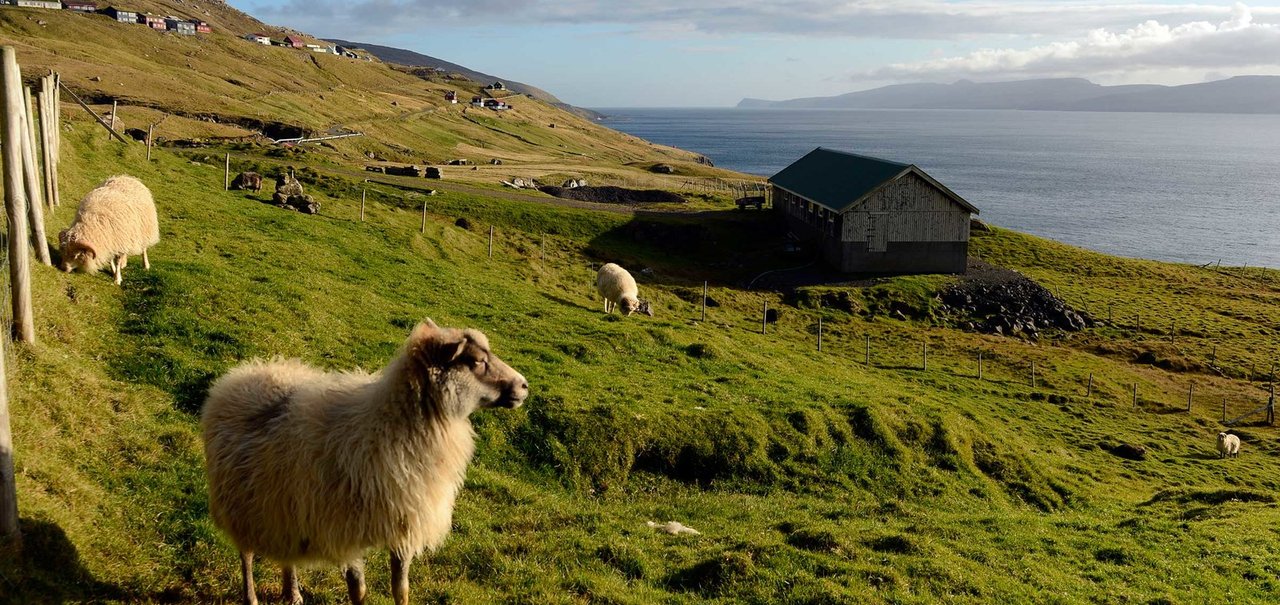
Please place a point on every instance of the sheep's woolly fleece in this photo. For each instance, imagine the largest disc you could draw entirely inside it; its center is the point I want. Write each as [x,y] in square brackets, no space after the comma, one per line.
[674,528]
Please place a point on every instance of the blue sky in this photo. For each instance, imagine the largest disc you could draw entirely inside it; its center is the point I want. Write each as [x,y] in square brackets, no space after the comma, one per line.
[608,53]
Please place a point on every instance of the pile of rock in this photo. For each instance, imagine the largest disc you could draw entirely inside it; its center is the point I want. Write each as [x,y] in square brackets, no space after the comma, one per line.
[289,195]
[1010,306]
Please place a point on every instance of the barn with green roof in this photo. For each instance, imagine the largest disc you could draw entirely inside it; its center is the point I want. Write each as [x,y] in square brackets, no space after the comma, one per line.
[869,215]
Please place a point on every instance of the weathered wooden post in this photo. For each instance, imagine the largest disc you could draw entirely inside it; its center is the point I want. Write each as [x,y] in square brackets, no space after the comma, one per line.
[819,334]
[1224,408]
[35,205]
[866,349]
[423,229]
[979,365]
[1213,357]
[1191,389]
[424,214]
[1088,391]
[1033,375]
[46,144]
[10,533]
[704,300]
[1109,318]
[764,318]
[151,129]
[15,197]
[226,174]
[924,356]
[113,120]
[363,193]
[1173,330]
[1139,330]
[1135,395]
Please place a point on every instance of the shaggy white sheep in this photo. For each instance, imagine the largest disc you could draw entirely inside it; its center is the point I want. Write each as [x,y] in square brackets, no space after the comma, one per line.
[618,288]
[307,466]
[115,220]
[1228,445]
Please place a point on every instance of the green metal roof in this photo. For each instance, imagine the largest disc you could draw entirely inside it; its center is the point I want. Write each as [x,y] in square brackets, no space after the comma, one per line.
[839,180]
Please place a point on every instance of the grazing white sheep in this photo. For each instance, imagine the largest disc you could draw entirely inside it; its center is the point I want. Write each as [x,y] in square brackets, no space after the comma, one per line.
[115,220]
[1228,445]
[307,466]
[618,288]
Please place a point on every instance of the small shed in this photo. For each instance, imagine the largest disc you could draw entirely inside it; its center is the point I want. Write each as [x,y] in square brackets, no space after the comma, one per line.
[259,38]
[181,26]
[84,7]
[121,15]
[870,215]
[294,41]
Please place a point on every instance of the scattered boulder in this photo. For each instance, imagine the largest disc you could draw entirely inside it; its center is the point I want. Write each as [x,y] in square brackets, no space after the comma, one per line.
[704,160]
[978,226]
[247,181]
[663,169]
[96,79]
[289,195]
[463,222]
[459,162]
[1008,303]
[573,183]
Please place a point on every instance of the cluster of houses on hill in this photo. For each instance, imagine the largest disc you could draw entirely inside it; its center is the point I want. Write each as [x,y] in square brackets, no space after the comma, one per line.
[186,27]
[299,43]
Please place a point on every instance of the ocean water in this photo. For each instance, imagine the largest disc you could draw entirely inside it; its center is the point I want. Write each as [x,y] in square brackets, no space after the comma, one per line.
[1193,188]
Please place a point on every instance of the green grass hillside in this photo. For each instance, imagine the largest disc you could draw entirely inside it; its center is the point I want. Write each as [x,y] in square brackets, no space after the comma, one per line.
[811,477]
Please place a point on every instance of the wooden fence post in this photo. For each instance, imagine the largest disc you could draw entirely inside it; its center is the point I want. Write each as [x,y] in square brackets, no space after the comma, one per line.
[113,120]
[46,144]
[35,205]
[151,129]
[979,365]
[1033,375]
[764,318]
[924,356]
[866,349]
[1088,391]
[1173,330]
[1109,318]
[1191,389]
[1224,408]
[1135,395]
[9,530]
[704,300]
[819,334]
[424,218]
[226,174]
[15,198]
[363,194]
[1213,357]
[93,113]
[423,229]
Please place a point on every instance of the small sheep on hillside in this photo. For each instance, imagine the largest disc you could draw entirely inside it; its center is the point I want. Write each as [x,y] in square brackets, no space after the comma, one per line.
[618,288]
[114,221]
[1228,445]
[307,466]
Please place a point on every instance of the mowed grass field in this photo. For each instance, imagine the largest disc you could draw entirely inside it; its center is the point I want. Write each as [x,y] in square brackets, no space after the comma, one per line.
[811,477]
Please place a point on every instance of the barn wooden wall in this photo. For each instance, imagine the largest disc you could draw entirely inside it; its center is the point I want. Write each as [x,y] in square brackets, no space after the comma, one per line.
[917,212]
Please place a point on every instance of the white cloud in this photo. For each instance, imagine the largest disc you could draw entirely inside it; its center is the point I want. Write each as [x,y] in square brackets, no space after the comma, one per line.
[1239,43]
[911,19]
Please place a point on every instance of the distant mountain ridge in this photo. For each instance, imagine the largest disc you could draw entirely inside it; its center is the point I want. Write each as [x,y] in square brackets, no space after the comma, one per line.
[1241,94]
[390,54]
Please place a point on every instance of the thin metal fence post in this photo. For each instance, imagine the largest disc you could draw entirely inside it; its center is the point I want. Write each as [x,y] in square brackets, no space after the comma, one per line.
[363,194]
[151,129]
[704,300]
[1088,393]
[819,334]
[424,215]
[113,120]
[226,174]
[979,365]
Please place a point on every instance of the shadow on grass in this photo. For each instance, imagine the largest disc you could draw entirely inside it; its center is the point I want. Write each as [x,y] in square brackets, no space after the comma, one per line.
[568,303]
[47,569]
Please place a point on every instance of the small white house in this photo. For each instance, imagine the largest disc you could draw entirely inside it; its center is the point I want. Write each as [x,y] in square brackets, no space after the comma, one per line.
[49,4]
[259,38]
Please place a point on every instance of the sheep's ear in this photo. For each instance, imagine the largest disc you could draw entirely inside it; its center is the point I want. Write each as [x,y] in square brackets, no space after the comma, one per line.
[86,248]
[436,346]
[62,238]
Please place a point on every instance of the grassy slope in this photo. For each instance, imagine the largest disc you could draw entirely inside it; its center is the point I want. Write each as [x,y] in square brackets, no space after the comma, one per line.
[812,478]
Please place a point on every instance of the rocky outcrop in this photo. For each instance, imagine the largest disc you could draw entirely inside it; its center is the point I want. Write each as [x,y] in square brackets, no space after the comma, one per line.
[1009,306]
[289,194]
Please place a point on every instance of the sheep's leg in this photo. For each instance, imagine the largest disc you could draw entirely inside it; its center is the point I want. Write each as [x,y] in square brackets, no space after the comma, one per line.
[146,262]
[115,270]
[124,261]
[246,568]
[290,591]
[400,579]
[355,583]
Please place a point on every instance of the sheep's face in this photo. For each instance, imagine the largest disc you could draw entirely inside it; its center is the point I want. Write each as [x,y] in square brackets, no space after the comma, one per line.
[632,305]
[645,307]
[464,374]
[75,255]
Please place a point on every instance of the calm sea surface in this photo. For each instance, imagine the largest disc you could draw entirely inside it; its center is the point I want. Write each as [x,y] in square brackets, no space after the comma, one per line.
[1191,188]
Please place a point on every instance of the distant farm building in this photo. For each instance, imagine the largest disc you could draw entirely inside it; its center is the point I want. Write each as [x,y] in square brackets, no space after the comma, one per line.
[294,41]
[153,21]
[451,96]
[84,7]
[202,27]
[121,15]
[259,38]
[873,216]
[496,86]
[49,4]
[181,26]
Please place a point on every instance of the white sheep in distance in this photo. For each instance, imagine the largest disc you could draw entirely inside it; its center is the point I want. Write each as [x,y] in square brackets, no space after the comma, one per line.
[618,288]
[115,220]
[1228,445]
[307,466]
